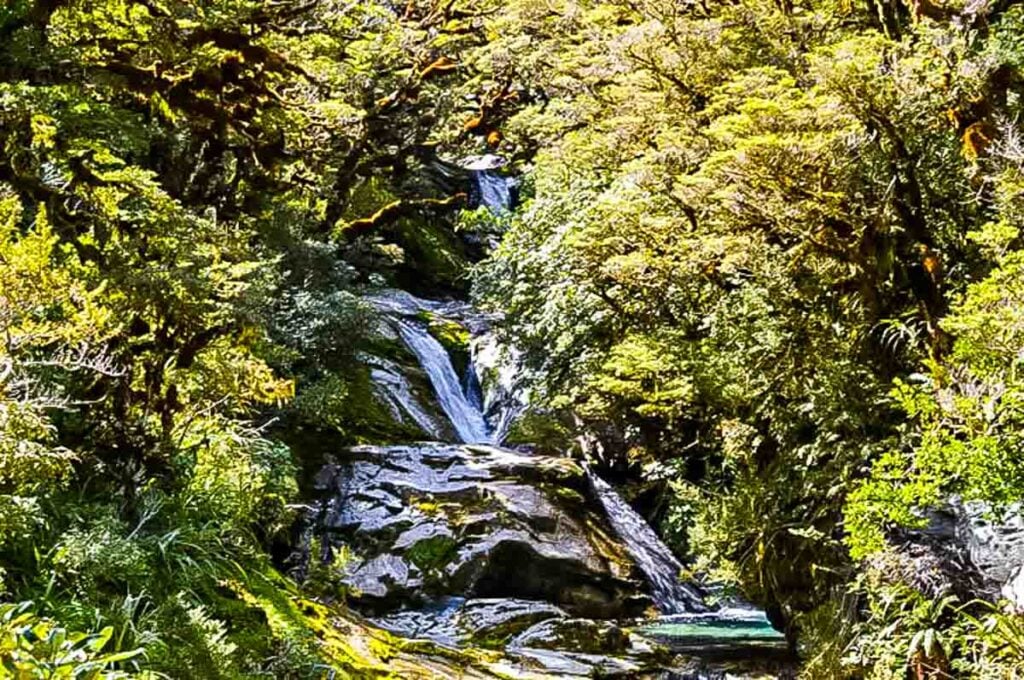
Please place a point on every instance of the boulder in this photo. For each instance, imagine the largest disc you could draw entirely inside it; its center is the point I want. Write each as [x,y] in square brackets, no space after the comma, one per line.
[434,520]
[579,635]
[492,622]
[382,575]
[994,541]
[584,647]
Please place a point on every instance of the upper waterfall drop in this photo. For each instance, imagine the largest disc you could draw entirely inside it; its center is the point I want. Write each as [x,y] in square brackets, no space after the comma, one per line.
[466,417]
[490,390]
[489,187]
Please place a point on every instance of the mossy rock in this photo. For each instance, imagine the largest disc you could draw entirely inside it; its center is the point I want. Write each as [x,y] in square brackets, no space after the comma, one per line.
[436,259]
[454,337]
[432,553]
[578,635]
[492,623]
[318,636]
[364,418]
[392,349]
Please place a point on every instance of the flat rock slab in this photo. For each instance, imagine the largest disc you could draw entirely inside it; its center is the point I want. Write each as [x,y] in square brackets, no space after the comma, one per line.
[458,622]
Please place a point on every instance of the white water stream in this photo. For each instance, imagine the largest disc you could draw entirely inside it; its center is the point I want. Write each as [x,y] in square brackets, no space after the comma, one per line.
[465,416]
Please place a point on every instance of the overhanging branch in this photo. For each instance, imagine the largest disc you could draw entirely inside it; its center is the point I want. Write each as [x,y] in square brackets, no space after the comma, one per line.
[396,210]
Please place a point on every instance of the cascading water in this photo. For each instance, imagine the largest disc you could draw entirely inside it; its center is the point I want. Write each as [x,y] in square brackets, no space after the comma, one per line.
[481,408]
[464,404]
[474,393]
[499,405]
[481,178]
[652,557]
[466,418]
[505,400]
[490,188]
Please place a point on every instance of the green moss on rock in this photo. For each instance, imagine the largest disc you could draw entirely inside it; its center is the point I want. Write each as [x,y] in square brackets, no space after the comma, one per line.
[432,553]
[348,406]
[454,337]
[435,259]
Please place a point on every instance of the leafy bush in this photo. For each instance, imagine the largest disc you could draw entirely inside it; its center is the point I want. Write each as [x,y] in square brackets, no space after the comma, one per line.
[33,647]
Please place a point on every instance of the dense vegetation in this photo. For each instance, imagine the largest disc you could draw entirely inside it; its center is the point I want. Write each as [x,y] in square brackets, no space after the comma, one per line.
[180,188]
[773,260]
[768,260]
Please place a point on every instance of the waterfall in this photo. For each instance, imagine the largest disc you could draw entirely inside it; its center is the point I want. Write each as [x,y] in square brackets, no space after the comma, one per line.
[493,191]
[466,418]
[471,388]
[465,404]
[504,400]
[490,188]
[653,557]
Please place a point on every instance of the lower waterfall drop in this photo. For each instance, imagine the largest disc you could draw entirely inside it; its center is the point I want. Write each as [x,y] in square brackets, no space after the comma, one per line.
[651,555]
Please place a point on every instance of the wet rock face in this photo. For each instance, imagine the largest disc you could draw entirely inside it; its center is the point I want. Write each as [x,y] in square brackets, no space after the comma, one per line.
[581,635]
[431,520]
[582,647]
[537,638]
[995,543]
[488,623]
[966,550]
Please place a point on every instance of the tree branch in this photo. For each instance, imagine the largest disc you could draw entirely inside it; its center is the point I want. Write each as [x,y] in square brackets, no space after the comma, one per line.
[395,211]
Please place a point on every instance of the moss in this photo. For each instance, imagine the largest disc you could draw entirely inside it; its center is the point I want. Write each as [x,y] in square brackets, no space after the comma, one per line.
[367,419]
[429,508]
[432,553]
[392,349]
[341,410]
[338,640]
[569,496]
[322,631]
[454,337]
[608,546]
[436,259]
[586,636]
[561,469]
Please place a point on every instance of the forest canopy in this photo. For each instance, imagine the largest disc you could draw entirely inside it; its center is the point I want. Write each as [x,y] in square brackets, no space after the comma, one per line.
[768,257]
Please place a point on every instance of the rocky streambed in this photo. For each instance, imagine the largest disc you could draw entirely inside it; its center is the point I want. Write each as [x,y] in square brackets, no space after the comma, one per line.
[514,564]
[479,547]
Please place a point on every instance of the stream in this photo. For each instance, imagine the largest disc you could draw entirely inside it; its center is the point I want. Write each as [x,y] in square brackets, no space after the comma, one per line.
[465,543]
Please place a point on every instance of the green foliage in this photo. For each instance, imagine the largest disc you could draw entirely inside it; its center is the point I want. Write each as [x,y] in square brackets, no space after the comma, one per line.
[771,258]
[546,432]
[455,339]
[33,647]
[433,553]
[210,654]
[174,302]
[326,574]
